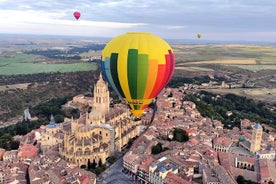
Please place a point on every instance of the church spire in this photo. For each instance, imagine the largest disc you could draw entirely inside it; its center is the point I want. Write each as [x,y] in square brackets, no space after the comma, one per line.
[52,120]
[101,96]
[100,77]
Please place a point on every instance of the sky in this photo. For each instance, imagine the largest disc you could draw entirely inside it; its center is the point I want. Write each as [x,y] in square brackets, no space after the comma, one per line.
[248,20]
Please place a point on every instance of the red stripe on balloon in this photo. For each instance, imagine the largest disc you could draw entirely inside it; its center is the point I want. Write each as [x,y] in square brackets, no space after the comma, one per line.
[159,81]
[166,75]
[172,64]
[145,106]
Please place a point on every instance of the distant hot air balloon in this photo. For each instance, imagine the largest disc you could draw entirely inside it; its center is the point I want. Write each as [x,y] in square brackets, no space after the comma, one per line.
[137,66]
[199,35]
[77,14]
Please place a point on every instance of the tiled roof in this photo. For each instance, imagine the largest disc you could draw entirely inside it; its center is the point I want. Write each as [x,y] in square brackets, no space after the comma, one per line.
[174,179]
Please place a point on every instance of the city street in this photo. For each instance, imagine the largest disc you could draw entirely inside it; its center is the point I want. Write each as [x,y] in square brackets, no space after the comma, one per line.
[239,150]
[114,175]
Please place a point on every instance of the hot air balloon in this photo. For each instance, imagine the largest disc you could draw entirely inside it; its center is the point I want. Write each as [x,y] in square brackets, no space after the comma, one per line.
[77,14]
[137,65]
[199,35]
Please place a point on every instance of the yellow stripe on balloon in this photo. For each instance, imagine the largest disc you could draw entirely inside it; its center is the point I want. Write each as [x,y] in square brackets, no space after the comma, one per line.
[160,49]
[152,75]
[122,67]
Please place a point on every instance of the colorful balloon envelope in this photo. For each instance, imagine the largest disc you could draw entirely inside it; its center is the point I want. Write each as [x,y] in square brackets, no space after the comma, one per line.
[137,65]
[77,14]
[199,35]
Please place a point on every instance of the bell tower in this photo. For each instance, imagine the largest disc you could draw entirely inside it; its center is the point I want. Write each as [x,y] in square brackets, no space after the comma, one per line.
[256,138]
[101,96]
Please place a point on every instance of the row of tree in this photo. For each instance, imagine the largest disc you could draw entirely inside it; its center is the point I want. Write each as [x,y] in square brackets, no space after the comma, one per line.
[70,54]
[240,180]
[216,107]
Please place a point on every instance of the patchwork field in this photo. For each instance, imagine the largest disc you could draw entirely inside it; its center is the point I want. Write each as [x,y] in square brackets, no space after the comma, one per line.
[262,94]
[223,62]
[245,57]
[253,67]
[19,63]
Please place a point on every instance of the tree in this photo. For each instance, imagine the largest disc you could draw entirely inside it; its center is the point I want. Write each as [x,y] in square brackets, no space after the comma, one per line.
[88,164]
[111,159]
[100,163]
[180,135]
[156,149]
[14,144]
[5,141]
[93,165]
[240,179]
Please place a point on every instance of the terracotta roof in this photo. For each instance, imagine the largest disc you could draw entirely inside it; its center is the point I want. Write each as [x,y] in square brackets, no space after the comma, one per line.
[145,164]
[27,150]
[174,179]
[223,141]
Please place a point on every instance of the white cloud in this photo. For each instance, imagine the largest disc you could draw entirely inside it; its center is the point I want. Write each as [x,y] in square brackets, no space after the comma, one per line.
[174,18]
[175,27]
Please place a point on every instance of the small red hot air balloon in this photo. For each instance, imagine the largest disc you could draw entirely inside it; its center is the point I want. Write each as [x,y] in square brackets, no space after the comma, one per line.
[77,15]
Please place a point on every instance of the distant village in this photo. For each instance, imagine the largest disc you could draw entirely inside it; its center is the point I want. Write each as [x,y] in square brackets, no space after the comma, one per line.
[61,153]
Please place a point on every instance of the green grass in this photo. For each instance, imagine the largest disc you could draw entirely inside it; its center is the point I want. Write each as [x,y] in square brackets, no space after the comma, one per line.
[19,58]
[31,68]
[30,64]
[262,54]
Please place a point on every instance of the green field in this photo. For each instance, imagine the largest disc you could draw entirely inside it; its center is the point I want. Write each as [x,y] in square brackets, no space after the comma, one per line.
[18,58]
[192,57]
[262,54]
[29,64]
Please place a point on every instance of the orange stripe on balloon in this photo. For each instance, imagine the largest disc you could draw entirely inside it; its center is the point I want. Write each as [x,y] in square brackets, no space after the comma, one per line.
[164,80]
[159,81]
[152,75]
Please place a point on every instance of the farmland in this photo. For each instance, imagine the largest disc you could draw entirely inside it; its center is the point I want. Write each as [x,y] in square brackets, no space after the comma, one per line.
[240,65]
[40,55]
[36,69]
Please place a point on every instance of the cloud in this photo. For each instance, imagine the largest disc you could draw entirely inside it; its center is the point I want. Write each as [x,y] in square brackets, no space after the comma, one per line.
[174,18]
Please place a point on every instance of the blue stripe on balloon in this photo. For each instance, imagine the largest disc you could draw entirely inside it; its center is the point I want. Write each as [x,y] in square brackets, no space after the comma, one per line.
[107,71]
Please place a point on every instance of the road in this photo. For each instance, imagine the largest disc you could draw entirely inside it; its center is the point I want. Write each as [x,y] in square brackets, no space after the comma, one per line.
[114,174]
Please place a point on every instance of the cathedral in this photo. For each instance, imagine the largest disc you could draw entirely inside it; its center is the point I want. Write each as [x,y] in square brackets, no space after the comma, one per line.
[99,133]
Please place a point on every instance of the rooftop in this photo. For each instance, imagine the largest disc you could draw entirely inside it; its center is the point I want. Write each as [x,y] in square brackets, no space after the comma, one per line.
[258,126]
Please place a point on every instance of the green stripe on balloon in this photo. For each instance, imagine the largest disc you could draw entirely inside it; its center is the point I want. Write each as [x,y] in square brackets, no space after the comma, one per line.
[114,73]
[142,75]
[132,62]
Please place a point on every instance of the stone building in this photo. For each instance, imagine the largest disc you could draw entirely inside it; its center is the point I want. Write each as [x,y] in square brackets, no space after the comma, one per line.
[256,138]
[222,144]
[51,135]
[100,133]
